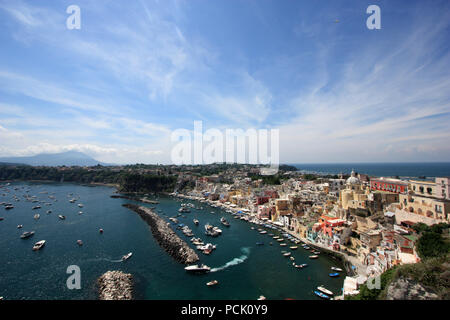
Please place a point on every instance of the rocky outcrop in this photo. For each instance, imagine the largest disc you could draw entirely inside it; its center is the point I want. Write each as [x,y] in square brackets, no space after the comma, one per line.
[115,285]
[165,236]
[406,289]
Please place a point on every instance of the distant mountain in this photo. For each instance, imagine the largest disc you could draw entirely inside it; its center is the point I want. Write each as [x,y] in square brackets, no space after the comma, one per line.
[69,158]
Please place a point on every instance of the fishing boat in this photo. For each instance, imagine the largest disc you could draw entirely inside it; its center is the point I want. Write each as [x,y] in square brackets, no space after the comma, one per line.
[283,244]
[263,232]
[325,290]
[336,269]
[212,283]
[61,217]
[224,222]
[321,295]
[313,257]
[38,245]
[27,234]
[287,254]
[293,247]
[334,275]
[316,252]
[127,256]
[198,269]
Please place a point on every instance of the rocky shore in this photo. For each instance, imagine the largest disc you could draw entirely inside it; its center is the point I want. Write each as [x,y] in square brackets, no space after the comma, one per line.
[165,236]
[115,285]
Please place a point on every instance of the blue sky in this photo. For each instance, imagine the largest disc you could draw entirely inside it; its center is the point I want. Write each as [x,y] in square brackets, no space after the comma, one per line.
[137,70]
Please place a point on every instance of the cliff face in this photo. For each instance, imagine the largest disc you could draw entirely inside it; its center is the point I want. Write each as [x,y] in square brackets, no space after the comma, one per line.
[406,289]
[165,236]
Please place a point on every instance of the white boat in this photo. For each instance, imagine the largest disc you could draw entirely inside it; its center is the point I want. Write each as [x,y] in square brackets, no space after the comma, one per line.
[336,269]
[38,245]
[287,254]
[325,290]
[37,216]
[196,222]
[313,257]
[293,247]
[127,256]
[61,217]
[196,268]
[212,283]
[79,242]
[19,226]
[80,205]
[262,298]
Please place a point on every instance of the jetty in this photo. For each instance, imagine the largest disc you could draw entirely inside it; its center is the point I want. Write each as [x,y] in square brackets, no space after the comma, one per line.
[165,236]
[115,285]
[140,199]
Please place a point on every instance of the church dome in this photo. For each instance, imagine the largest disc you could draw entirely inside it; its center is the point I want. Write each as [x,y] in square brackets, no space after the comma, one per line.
[353,179]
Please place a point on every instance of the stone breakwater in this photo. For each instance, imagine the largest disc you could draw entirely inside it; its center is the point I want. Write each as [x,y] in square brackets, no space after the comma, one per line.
[165,236]
[115,285]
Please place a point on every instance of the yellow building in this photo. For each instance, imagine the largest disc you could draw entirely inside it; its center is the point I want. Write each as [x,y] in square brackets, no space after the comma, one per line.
[354,195]
[426,206]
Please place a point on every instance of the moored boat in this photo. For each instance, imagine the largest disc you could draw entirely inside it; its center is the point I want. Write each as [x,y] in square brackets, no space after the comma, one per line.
[212,283]
[334,275]
[27,234]
[38,245]
[336,269]
[293,247]
[321,295]
[325,290]
[313,257]
[79,242]
[61,217]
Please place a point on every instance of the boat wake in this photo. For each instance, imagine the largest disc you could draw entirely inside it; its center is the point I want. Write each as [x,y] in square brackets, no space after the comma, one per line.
[235,261]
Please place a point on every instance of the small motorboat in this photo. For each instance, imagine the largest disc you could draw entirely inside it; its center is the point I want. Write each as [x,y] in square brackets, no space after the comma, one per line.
[212,283]
[36,207]
[336,269]
[49,211]
[19,226]
[325,290]
[79,242]
[263,232]
[283,244]
[101,230]
[26,234]
[61,217]
[321,295]
[303,265]
[292,258]
[80,205]
[127,256]
[38,245]
[37,216]
[262,298]
[287,254]
[196,222]
[80,212]
[313,257]
[293,247]
[334,275]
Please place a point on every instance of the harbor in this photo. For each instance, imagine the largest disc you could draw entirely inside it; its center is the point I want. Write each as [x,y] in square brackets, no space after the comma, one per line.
[244,264]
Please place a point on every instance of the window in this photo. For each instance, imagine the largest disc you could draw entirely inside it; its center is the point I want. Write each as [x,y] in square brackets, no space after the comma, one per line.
[429,190]
[421,189]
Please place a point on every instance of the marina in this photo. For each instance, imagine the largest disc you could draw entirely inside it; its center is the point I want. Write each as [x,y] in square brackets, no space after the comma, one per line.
[239,251]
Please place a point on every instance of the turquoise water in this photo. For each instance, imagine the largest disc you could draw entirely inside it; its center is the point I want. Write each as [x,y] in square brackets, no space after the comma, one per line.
[243,269]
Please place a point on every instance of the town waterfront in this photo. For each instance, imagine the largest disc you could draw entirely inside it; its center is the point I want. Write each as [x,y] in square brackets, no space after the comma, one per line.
[244,270]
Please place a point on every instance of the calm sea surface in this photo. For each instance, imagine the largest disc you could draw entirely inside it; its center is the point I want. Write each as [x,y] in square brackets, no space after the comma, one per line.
[243,269]
[429,169]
